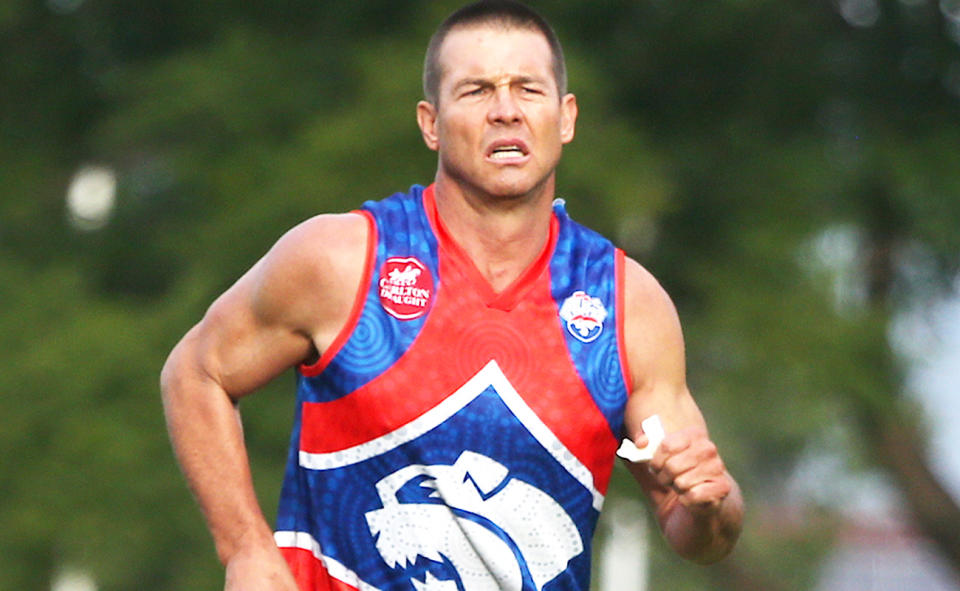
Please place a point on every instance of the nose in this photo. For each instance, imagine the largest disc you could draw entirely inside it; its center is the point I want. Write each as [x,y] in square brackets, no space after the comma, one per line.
[504,107]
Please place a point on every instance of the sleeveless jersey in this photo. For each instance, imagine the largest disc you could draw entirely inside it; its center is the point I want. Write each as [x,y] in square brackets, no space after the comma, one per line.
[454,438]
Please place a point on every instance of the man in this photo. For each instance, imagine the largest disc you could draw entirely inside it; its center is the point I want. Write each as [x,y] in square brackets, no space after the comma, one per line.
[468,359]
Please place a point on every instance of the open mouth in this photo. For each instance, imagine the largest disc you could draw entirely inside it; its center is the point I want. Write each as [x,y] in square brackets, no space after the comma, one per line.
[508,150]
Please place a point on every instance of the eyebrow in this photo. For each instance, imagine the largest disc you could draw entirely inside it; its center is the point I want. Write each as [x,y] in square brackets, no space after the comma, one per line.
[489,82]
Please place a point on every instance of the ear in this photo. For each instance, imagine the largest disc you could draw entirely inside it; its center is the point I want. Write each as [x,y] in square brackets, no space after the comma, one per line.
[427,120]
[568,118]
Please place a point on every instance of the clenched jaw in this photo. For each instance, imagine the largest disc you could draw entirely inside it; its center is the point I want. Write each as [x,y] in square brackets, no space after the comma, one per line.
[508,150]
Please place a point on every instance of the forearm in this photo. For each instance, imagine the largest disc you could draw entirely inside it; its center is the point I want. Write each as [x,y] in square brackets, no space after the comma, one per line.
[703,534]
[207,437]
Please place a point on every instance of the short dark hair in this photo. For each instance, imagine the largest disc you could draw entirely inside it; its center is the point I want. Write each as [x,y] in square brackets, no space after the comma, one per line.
[502,13]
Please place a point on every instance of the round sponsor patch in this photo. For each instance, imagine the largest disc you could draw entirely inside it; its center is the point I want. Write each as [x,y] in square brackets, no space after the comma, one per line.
[406,287]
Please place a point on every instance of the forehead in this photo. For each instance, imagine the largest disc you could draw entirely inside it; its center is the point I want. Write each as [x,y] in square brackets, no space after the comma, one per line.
[488,51]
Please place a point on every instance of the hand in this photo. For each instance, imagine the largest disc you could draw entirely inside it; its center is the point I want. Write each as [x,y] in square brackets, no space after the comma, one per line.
[259,569]
[688,464]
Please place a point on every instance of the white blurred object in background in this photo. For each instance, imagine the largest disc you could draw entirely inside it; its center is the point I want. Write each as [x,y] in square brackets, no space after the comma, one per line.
[623,561]
[71,579]
[91,197]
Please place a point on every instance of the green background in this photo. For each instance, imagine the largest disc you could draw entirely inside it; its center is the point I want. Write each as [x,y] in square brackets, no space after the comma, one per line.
[786,168]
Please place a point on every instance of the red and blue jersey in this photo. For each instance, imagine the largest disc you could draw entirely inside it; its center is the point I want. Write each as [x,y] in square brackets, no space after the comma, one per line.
[455,438]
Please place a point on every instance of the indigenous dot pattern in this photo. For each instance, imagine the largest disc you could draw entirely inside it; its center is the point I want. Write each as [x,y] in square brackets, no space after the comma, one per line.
[389,372]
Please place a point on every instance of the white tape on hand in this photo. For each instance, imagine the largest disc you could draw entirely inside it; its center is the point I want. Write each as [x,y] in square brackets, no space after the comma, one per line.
[653,429]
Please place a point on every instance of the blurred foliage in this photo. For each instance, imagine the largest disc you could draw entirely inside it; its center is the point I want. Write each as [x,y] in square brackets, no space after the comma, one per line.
[719,143]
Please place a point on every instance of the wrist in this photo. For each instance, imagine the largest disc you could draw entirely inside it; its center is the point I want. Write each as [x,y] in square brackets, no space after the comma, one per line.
[252,538]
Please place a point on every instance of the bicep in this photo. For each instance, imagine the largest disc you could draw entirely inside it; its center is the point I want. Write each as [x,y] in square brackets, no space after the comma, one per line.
[283,310]
[656,355]
[239,345]
[656,359]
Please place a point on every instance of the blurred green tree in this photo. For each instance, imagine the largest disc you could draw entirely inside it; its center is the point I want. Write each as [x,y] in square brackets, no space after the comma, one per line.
[722,144]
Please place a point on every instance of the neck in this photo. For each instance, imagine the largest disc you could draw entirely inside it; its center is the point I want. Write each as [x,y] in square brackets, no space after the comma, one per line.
[501,235]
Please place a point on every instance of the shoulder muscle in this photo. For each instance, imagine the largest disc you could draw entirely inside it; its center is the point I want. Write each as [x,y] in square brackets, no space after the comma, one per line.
[655,349]
[287,305]
[310,271]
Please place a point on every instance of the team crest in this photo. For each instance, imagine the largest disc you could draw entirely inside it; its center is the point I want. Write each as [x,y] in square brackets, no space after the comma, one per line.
[584,315]
[406,287]
[450,528]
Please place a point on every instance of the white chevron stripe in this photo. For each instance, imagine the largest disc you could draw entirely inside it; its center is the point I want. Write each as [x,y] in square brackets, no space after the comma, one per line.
[490,376]
[304,541]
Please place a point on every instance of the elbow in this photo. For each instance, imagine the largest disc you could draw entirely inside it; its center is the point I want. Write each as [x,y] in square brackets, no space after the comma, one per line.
[179,371]
[186,378]
[704,538]
[170,375]
[171,381]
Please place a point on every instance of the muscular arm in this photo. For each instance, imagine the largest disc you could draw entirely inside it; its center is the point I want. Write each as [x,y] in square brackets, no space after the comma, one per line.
[697,502]
[289,305]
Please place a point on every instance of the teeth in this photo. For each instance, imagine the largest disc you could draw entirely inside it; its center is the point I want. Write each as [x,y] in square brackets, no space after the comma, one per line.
[507,152]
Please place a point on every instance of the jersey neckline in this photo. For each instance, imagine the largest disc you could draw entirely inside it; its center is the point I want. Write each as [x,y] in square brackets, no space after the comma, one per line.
[507,299]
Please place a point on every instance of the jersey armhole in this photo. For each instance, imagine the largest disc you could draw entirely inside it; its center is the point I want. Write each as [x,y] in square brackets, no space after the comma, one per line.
[619,287]
[359,299]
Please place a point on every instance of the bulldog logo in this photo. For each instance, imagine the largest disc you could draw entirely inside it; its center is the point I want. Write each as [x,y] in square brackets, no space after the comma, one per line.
[584,316]
[471,527]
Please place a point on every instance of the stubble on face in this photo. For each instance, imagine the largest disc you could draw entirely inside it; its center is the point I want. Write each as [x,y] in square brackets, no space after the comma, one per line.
[499,124]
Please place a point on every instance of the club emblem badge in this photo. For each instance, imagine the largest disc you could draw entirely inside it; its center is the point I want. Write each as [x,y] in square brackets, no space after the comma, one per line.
[584,316]
[463,524]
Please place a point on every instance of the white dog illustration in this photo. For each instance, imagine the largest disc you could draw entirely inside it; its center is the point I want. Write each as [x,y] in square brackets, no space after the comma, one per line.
[478,500]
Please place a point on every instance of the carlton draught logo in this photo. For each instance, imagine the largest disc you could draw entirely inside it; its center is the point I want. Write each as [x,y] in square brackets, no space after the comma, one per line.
[406,287]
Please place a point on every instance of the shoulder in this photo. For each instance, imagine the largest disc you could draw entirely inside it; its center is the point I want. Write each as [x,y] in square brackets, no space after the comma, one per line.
[644,296]
[311,273]
[652,332]
[317,249]
[327,236]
